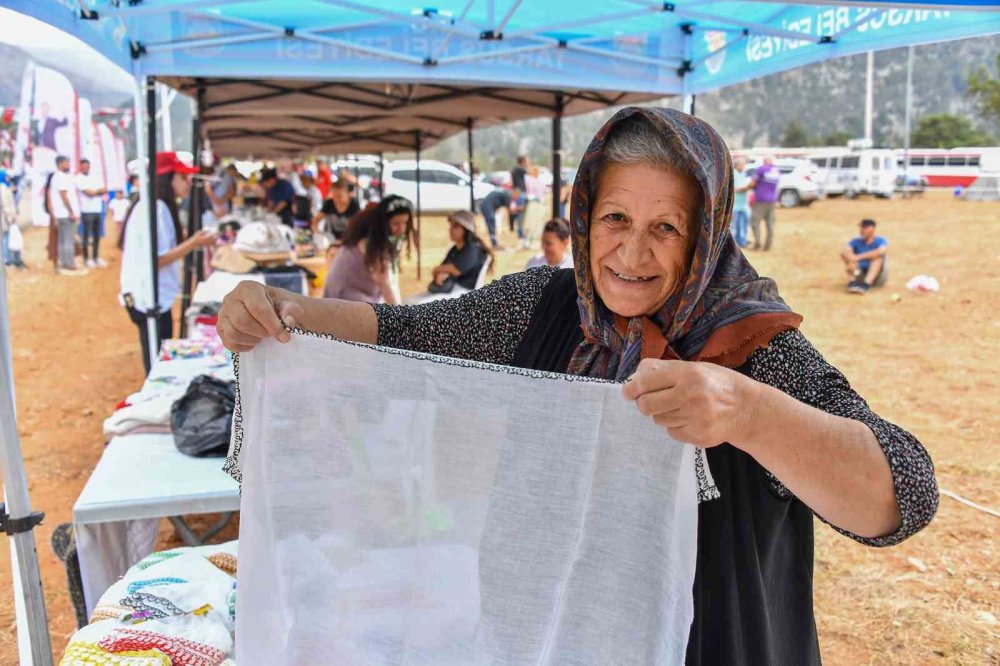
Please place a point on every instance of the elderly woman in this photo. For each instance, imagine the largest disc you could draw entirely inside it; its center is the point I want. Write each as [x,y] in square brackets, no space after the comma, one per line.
[662,299]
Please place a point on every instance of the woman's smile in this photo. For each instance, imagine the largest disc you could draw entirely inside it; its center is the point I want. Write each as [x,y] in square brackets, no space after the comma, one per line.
[632,278]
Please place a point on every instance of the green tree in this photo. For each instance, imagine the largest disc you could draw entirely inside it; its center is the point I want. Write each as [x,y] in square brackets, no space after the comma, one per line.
[795,136]
[986,90]
[838,138]
[944,130]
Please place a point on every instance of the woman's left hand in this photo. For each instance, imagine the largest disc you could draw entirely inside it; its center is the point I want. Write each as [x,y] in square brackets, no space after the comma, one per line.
[698,403]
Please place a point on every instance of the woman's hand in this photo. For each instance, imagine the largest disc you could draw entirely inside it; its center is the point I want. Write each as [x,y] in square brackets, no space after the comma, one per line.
[203,238]
[250,313]
[698,403]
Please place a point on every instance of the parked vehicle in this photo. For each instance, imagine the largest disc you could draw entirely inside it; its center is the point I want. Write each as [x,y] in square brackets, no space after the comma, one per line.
[443,188]
[853,172]
[798,185]
[957,167]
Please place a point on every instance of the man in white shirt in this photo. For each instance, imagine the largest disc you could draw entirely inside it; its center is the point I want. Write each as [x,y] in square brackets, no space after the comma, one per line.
[118,210]
[64,202]
[92,192]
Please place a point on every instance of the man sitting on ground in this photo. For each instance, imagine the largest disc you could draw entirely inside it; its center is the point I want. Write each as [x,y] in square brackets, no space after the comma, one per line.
[865,259]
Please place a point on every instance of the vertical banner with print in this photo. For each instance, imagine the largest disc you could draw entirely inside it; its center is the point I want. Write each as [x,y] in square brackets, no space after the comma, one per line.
[22,138]
[107,156]
[53,118]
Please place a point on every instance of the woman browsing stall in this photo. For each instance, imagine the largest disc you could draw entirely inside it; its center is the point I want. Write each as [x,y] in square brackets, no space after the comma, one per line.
[361,270]
[172,183]
[662,299]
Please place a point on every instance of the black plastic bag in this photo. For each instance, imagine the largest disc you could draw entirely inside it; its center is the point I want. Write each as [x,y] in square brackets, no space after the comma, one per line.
[202,420]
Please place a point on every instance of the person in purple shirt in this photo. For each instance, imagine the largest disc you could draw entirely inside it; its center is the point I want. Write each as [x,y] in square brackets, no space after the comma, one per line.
[765,192]
[865,259]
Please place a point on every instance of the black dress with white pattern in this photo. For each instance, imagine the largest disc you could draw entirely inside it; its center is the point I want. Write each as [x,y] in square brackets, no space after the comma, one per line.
[753,583]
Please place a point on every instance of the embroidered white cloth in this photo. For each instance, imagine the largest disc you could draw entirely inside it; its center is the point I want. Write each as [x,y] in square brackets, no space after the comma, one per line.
[403,509]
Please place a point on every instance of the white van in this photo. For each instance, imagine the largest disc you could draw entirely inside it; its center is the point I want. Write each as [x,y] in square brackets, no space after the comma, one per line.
[854,172]
[443,188]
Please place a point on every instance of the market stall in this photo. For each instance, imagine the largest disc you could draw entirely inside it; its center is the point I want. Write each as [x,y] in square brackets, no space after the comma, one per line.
[458,58]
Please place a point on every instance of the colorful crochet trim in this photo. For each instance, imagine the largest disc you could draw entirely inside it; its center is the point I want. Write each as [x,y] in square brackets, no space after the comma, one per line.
[182,652]
[83,654]
[148,606]
[135,586]
[108,612]
[224,561]
[156,558]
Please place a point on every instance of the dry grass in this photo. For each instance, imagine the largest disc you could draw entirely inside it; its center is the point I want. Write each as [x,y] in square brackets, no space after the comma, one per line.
[927,362]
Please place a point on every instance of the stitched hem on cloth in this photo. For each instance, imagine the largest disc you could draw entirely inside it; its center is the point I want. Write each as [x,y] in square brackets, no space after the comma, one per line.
[707,490]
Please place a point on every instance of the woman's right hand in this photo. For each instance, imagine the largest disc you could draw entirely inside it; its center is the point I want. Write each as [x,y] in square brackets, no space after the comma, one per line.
[250,313]
[204,237]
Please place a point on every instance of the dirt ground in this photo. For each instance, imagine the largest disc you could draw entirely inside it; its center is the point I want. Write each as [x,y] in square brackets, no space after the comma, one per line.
[927,362]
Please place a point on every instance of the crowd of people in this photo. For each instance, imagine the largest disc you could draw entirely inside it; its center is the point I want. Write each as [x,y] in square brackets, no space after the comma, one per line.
[367,242]
[80,212]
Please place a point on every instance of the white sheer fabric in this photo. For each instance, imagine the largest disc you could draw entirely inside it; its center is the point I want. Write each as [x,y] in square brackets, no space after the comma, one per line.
[403,509]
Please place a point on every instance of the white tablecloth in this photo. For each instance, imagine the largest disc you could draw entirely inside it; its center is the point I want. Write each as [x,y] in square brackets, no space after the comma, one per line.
[140,479]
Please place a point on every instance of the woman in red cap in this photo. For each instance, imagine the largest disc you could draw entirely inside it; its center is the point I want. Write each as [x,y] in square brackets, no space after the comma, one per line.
[172,183]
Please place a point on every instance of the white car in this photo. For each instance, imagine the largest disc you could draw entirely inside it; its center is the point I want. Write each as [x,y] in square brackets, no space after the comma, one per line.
[443,188]
[798,185]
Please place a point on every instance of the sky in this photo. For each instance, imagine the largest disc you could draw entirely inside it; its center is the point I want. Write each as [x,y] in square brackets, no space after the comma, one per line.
[53,48]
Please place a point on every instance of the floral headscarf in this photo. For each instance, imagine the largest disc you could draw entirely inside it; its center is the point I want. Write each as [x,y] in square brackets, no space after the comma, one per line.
[721,313]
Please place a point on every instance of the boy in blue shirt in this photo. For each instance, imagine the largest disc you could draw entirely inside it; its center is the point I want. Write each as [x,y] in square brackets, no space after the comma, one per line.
[865,259]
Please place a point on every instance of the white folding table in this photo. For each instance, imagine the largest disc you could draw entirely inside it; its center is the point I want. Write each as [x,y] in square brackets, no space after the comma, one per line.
[140,479]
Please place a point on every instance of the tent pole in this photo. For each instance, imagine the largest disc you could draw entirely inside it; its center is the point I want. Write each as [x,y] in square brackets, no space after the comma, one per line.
[34,646]
[869,93]
[420,250]
[200,108]
[194,211]
[357,185]
[557,155]
[472,189]
[381,176]
[165,101]
[152,315]
[687,98]
[907,120]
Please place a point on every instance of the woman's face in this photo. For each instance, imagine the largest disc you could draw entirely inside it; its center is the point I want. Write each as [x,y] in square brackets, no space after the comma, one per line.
[641,236]
[456,232]
[554,248]
[397,224]
[181,185]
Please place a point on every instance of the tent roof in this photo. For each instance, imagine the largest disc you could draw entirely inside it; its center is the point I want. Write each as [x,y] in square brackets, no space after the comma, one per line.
[363,76]
[642,46]
[271,116]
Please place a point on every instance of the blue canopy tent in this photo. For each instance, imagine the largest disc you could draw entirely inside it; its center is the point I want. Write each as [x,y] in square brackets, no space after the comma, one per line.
[314,75]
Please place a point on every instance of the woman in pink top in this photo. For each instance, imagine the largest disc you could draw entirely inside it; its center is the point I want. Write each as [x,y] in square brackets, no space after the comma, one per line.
[362,268]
